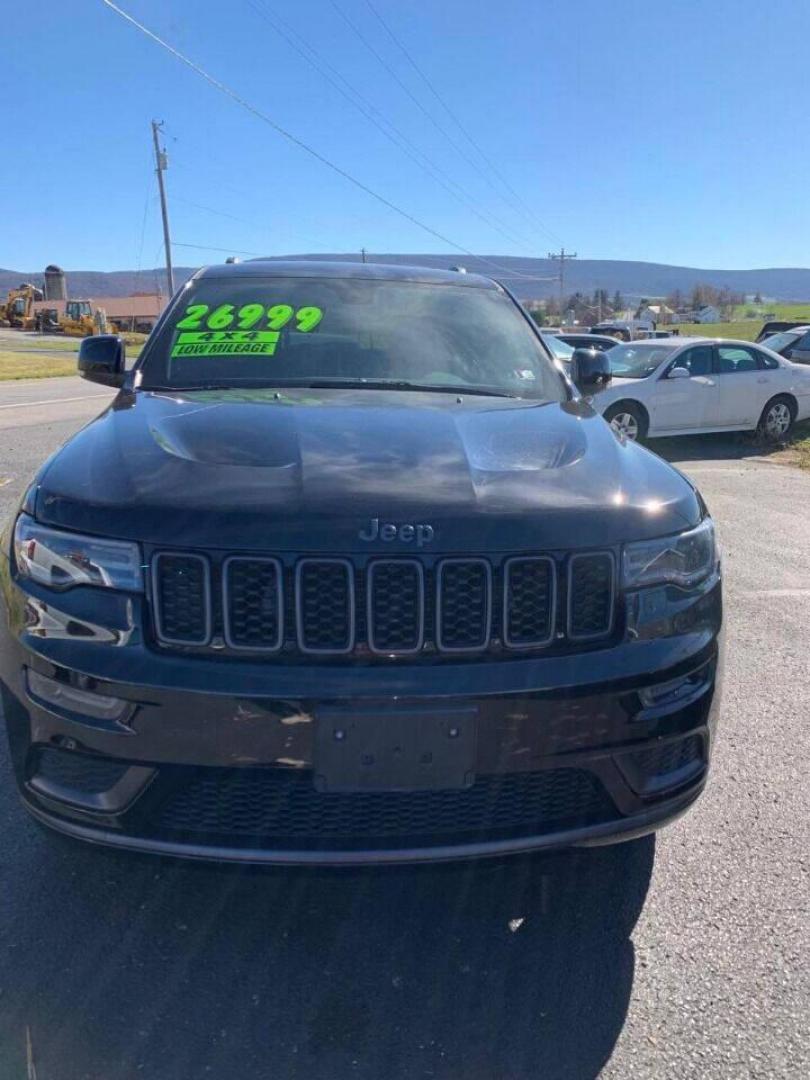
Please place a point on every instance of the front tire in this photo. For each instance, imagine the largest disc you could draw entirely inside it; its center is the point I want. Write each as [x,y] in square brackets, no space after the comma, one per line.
[777,419]
[628,420]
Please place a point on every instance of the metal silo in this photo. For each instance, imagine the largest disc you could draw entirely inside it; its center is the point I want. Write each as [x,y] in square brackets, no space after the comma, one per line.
[55,285]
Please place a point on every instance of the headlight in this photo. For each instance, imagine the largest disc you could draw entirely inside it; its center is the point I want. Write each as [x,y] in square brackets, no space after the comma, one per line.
[682,560]
[62,559]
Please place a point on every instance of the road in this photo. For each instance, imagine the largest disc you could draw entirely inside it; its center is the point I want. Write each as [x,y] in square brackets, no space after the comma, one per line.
[55,347]
[683,957]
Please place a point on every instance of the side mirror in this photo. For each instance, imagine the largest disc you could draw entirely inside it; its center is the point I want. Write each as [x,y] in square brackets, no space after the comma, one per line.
[788,352]
[102,359]
[679,373]
[590,370]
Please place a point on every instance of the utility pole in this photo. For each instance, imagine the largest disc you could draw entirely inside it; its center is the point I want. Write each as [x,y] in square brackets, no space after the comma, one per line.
[161,162]
[562,257]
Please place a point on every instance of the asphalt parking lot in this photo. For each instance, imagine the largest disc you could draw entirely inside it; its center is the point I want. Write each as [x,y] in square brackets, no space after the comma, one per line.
[685,956]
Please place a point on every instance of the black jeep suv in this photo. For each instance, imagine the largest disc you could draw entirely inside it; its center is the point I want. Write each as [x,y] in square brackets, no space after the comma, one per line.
[348,571]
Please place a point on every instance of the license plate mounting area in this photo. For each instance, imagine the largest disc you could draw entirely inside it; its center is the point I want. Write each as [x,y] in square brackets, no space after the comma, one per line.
[395,749]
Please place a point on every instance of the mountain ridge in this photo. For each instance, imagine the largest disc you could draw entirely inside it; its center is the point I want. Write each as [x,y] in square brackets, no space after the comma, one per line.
[527,278]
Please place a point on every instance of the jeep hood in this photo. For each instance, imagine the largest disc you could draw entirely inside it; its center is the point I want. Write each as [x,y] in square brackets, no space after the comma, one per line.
[306,470]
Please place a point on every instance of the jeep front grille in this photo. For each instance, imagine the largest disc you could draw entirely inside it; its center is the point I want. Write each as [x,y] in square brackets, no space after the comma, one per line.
[590,595]
[333,607]
[324,605]
[182,588]
[530,602]
[253,603]
[395,614]
[463,605]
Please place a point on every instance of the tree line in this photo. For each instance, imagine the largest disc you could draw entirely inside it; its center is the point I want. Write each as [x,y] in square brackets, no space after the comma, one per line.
[590,308]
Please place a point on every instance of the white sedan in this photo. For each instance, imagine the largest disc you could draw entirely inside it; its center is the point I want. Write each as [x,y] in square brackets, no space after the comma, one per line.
[680,386]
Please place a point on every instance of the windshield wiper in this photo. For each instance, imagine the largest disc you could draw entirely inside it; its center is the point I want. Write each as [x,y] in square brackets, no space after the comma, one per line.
[185,389]
[342,384]
[403,384]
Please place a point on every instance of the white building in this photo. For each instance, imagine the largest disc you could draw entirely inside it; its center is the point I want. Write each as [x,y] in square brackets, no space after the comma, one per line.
[707,314]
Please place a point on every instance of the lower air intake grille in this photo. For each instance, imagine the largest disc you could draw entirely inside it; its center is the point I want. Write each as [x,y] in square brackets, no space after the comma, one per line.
[182,598]
[669,758]
[590,595]
[80,772]
[283,807]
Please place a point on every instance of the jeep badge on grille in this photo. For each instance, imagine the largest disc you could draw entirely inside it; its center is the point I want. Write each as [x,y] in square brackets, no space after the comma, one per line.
[388,531]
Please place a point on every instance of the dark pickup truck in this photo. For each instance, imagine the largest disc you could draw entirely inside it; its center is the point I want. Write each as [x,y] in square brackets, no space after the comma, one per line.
[349,571]
[775,327]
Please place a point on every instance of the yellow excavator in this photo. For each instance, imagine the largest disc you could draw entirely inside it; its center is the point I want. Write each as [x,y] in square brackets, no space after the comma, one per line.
[18,309]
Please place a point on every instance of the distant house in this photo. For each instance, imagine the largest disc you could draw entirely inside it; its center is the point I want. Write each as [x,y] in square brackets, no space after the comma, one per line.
[658,314]
[127,312]
[707,314]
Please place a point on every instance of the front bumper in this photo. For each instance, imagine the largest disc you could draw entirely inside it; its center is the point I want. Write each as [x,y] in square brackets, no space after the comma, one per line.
[212,759]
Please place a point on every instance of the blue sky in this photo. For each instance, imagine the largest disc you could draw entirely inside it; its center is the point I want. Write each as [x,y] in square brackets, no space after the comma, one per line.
[672,132]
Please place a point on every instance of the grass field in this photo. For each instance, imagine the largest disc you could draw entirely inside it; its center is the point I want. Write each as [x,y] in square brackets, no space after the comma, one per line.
[27,364]
[801,444]
[35,356]
[745,329]
[38,343]
[778,311]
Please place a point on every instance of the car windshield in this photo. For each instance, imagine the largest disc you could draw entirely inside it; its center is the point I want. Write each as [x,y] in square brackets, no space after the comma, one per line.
[777,342]
[561,349]
[637,361]
[252,330]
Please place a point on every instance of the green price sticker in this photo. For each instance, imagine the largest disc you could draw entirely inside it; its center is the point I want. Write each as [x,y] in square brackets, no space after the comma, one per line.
[225,343]
[249,317]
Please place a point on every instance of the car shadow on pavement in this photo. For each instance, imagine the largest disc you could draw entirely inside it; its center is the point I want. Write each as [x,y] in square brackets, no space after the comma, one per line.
[122,967]
[715,447]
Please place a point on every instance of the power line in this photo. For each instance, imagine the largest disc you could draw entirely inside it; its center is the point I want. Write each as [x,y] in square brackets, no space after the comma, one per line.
[407,90]
[365,107]
[562,258]
[462,128]
[228,251]
[278,128]
[147,200]
[212,210]
[262,254]
[223,88]
[403,86]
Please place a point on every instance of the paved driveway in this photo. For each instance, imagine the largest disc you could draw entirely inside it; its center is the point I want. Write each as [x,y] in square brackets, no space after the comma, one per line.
[683,957]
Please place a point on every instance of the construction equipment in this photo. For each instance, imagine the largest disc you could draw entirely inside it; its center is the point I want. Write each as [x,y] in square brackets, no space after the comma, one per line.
[17,311]
[78,320]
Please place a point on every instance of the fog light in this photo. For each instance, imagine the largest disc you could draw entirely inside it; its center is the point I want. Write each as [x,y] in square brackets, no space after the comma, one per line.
[668,693]
[71,699]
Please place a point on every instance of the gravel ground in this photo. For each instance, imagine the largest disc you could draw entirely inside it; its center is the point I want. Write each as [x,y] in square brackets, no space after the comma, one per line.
[685,956]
